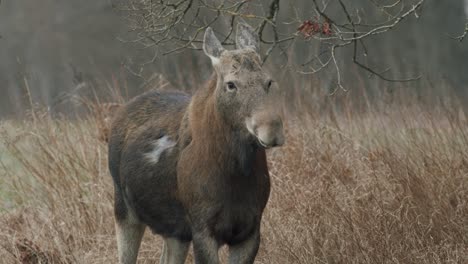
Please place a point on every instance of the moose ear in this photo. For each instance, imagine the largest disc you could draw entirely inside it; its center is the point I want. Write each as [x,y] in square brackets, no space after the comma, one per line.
[212,46]
[246,37]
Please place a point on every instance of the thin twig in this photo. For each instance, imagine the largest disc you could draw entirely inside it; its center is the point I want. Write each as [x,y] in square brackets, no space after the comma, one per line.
[463,35]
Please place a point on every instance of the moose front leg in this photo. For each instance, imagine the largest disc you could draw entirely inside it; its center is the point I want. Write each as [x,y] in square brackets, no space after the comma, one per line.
[205,248]
[174,251]
[245,252]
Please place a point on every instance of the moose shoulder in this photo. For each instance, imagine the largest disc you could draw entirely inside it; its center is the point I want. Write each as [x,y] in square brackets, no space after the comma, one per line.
[194,168]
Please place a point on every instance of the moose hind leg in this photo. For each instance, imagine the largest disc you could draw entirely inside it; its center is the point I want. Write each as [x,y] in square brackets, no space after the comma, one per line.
[174,251]
[245,252]
[129,234]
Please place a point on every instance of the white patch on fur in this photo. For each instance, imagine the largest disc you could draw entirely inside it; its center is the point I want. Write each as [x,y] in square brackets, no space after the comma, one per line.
[160,146]
[214,60]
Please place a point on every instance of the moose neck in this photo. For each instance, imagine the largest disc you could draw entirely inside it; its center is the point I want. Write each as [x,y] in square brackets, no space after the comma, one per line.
[215,138]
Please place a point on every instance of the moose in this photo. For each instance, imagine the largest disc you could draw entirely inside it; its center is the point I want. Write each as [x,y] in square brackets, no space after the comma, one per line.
[194,168]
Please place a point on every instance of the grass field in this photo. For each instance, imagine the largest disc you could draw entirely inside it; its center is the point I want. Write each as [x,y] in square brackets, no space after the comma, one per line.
[380,186]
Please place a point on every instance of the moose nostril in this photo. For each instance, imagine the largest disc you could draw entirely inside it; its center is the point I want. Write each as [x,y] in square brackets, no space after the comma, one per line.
[277,123]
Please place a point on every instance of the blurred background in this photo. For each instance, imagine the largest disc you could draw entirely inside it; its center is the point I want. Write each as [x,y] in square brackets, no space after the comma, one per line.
[53,50]
[375,168]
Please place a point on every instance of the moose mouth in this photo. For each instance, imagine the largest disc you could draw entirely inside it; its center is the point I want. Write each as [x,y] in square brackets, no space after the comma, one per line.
[263,144]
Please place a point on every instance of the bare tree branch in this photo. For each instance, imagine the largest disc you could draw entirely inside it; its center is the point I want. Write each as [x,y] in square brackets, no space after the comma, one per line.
[463,35]
[172,26]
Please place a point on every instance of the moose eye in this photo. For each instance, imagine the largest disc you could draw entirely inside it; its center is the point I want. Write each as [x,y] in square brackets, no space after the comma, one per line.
[269,85]
[231,86]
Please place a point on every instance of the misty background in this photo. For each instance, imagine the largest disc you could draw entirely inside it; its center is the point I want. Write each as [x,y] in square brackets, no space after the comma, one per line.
[51,50]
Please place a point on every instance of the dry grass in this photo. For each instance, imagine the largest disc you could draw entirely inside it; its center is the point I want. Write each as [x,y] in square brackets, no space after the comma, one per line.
[376,187]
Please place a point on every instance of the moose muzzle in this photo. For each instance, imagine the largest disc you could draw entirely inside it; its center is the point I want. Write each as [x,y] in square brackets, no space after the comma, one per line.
[267,129]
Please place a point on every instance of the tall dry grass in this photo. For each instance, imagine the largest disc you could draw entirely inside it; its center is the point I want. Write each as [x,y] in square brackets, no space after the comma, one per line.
[383,186]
